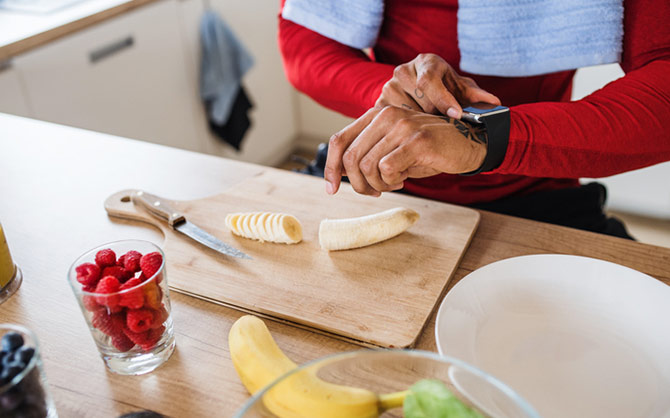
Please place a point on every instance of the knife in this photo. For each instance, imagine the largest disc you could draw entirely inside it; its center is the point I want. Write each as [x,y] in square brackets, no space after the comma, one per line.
[162,210]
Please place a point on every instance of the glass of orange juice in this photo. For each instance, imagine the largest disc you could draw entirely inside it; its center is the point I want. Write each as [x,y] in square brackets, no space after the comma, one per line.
[10,273]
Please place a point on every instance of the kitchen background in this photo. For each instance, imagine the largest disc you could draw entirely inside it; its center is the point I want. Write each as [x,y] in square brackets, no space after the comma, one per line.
[131,68]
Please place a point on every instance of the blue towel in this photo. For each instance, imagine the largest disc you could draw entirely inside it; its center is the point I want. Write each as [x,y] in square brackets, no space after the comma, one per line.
[354,23]
[224,62]
[530,37]
[511,38]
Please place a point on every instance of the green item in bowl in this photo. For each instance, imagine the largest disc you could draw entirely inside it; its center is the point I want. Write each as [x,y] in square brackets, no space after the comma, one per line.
[430,398]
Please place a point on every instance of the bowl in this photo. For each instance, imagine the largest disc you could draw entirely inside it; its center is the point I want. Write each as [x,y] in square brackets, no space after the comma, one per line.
[309,392]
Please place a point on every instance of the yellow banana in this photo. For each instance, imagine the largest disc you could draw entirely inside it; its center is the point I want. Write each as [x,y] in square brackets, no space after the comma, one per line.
[259,361]
[344,234]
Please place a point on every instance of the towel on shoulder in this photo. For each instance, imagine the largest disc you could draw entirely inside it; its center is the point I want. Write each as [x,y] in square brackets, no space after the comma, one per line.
[509,38]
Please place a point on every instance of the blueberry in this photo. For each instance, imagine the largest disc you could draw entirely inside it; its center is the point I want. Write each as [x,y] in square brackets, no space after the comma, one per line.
[10,372]
[11,341]
[23,354]
[7,359]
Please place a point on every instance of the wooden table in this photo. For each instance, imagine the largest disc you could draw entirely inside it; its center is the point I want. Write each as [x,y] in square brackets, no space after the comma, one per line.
[53,180]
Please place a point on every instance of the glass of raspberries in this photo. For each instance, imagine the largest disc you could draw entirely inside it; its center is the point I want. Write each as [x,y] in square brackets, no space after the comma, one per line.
[23,387]
[122,291]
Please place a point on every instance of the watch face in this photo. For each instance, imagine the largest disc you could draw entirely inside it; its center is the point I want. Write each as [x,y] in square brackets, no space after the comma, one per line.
[483,108]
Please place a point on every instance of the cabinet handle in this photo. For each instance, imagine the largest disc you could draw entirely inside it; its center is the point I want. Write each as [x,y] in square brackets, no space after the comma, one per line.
[111,49]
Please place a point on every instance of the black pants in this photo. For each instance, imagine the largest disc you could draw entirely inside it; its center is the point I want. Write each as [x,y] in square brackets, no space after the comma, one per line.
[576,207]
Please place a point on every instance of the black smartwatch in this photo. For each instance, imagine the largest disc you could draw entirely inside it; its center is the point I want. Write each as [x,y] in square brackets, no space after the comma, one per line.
[496,121]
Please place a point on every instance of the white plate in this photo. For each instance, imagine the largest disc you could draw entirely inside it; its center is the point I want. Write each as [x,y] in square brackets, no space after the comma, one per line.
[574,336]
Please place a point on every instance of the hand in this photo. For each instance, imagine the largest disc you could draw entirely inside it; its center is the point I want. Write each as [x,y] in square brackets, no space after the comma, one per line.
[385,146]
[429,84]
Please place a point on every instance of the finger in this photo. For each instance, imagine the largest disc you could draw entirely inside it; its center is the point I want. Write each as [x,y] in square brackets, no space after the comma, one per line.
[338,144]
[371,135]
[430,81]
[406,79]
[394,167]
[472,93]
[370,162]
[394,95]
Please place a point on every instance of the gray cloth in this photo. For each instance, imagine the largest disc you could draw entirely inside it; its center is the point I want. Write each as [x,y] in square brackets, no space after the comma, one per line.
[224,62]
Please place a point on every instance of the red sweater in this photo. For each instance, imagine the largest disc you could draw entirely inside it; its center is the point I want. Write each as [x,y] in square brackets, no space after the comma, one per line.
[552,141]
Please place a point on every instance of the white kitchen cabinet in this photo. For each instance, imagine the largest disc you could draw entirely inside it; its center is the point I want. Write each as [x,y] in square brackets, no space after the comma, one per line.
[125,76]
[12,98]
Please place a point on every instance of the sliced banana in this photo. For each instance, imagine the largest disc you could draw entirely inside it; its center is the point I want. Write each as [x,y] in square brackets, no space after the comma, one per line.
[344,234]
[265,226]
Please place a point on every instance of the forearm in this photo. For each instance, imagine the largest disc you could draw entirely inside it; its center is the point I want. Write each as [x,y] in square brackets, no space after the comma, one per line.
[337,76]
[618,128]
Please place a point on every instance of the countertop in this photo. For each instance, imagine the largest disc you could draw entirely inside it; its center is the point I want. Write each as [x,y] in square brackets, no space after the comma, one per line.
[21,32]
[53,181]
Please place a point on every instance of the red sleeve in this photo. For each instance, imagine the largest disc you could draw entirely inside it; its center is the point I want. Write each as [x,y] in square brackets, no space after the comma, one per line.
[623,126]
[337,76]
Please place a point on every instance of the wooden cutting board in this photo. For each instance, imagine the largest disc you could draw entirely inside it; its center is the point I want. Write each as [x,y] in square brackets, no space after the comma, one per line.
[380,295]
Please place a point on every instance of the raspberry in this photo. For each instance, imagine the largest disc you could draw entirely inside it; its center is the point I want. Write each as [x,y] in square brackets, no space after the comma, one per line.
[139,338]
[121,261]
[146,340]
[88,274]
[139,320]
[90,304]
[119,272]
[133,299]
[105,258]
[160,317]
[122,342]
[131,261]
[153,336]
[152,295]
[106,285]
[151,263]
[111,325]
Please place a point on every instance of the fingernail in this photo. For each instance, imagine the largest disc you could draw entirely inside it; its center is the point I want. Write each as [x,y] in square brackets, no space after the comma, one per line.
[452,113]
[329,187]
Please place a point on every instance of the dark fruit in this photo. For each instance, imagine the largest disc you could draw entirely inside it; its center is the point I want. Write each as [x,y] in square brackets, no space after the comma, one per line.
[11,341]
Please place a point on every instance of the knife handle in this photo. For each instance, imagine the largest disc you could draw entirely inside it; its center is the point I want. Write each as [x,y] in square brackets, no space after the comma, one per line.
[158,207]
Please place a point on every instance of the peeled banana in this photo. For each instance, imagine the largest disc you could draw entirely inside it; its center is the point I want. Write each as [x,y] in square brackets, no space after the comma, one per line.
[259,361]
[265,226]
[344,234]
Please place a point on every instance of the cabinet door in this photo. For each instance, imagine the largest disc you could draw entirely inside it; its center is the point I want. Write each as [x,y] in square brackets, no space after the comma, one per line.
[12,99]
[125,76]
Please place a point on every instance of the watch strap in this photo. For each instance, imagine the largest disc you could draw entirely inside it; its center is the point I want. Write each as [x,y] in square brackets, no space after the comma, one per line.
[497,130]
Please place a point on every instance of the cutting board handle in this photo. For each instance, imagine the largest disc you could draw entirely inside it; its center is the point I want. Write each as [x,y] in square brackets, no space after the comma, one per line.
[121,205]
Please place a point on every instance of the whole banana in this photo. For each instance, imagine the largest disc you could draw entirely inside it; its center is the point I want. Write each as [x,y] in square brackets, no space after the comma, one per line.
[259,361]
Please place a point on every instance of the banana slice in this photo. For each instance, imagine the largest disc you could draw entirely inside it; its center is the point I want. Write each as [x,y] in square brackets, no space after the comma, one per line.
[265,226]
[344,234]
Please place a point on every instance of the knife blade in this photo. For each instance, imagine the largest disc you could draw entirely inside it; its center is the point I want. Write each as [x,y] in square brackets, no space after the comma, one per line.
[161,209]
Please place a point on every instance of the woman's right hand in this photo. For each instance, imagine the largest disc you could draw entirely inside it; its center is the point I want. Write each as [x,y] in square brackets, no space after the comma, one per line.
[429,84]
